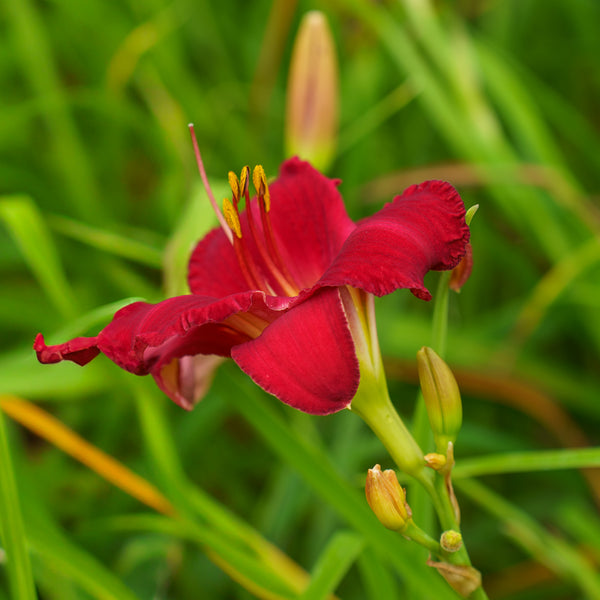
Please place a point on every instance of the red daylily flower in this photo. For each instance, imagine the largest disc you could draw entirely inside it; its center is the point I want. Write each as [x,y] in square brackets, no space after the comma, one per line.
[276,288]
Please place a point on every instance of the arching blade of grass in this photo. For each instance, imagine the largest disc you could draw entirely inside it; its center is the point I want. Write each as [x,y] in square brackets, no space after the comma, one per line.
[29,230]
[333,564]
[18,565]
[315,467]
[519,462]
[244,568]
[267,573]
[193,502]
[71,562]
[51,429]
[107,241]
[554,552]
[35,54]
[379,582]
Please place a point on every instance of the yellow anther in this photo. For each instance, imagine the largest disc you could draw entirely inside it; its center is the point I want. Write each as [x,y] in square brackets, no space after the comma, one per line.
[234,185]
[259,179]
[244,177]
[232,217]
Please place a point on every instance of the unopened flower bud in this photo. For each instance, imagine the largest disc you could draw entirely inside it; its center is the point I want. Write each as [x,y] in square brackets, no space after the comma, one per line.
[435,461]
[461,578]
[442,398]
[387,499]
[312,94]
[451,541]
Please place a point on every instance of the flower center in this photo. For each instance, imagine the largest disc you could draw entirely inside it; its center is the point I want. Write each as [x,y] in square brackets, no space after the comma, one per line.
[255,245]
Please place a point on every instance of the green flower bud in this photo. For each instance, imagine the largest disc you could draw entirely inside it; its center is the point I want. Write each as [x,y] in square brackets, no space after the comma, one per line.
[442,398]
[451,541]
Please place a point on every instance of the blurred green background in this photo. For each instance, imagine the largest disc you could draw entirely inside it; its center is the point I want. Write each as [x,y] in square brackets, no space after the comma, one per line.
[97,179]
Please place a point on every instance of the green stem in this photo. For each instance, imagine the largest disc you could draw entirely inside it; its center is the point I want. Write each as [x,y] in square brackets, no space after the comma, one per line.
[416,534]
[440,315]
[420,423]
[373,405]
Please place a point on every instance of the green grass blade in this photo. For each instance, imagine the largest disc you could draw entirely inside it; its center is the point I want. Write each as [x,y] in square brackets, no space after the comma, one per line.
[107,241]
[554,552]
[333,564]
[56,551]
[249,567]
[18,565]
[519,462]
[315,467]
[377,578]
[27,226]
[34,52]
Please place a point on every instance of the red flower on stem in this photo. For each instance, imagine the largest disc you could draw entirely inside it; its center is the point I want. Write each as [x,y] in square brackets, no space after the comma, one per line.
[280,288]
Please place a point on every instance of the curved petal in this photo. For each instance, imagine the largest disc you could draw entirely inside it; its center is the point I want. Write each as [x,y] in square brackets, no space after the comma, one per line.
[309,219]
[214,269]
[306,357]
[422,229]
[144,336]
[78,350]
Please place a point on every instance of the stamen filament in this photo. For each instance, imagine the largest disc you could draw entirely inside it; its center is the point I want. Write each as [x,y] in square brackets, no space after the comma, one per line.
[232,216]
[286,287]
[284,277]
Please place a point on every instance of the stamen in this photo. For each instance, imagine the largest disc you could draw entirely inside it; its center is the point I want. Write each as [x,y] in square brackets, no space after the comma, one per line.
[247,265]
[211,196]
[259,179]
[231,216]
[272,268]
[244,179]
[234,184]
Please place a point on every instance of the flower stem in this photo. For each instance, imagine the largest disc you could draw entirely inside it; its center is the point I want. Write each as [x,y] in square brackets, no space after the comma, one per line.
[373,405]
[416,534]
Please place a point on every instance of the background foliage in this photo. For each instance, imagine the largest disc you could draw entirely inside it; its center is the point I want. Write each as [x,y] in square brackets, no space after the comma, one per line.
[99,192]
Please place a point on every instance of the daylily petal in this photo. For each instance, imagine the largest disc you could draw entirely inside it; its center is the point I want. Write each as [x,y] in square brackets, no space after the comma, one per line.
[299,196]
[214,269]
[306,357]
[309,219]
[186,380]
[79,350]
[142,336]
[422,229]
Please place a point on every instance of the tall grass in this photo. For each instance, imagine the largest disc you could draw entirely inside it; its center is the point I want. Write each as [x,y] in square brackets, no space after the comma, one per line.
[99,202]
